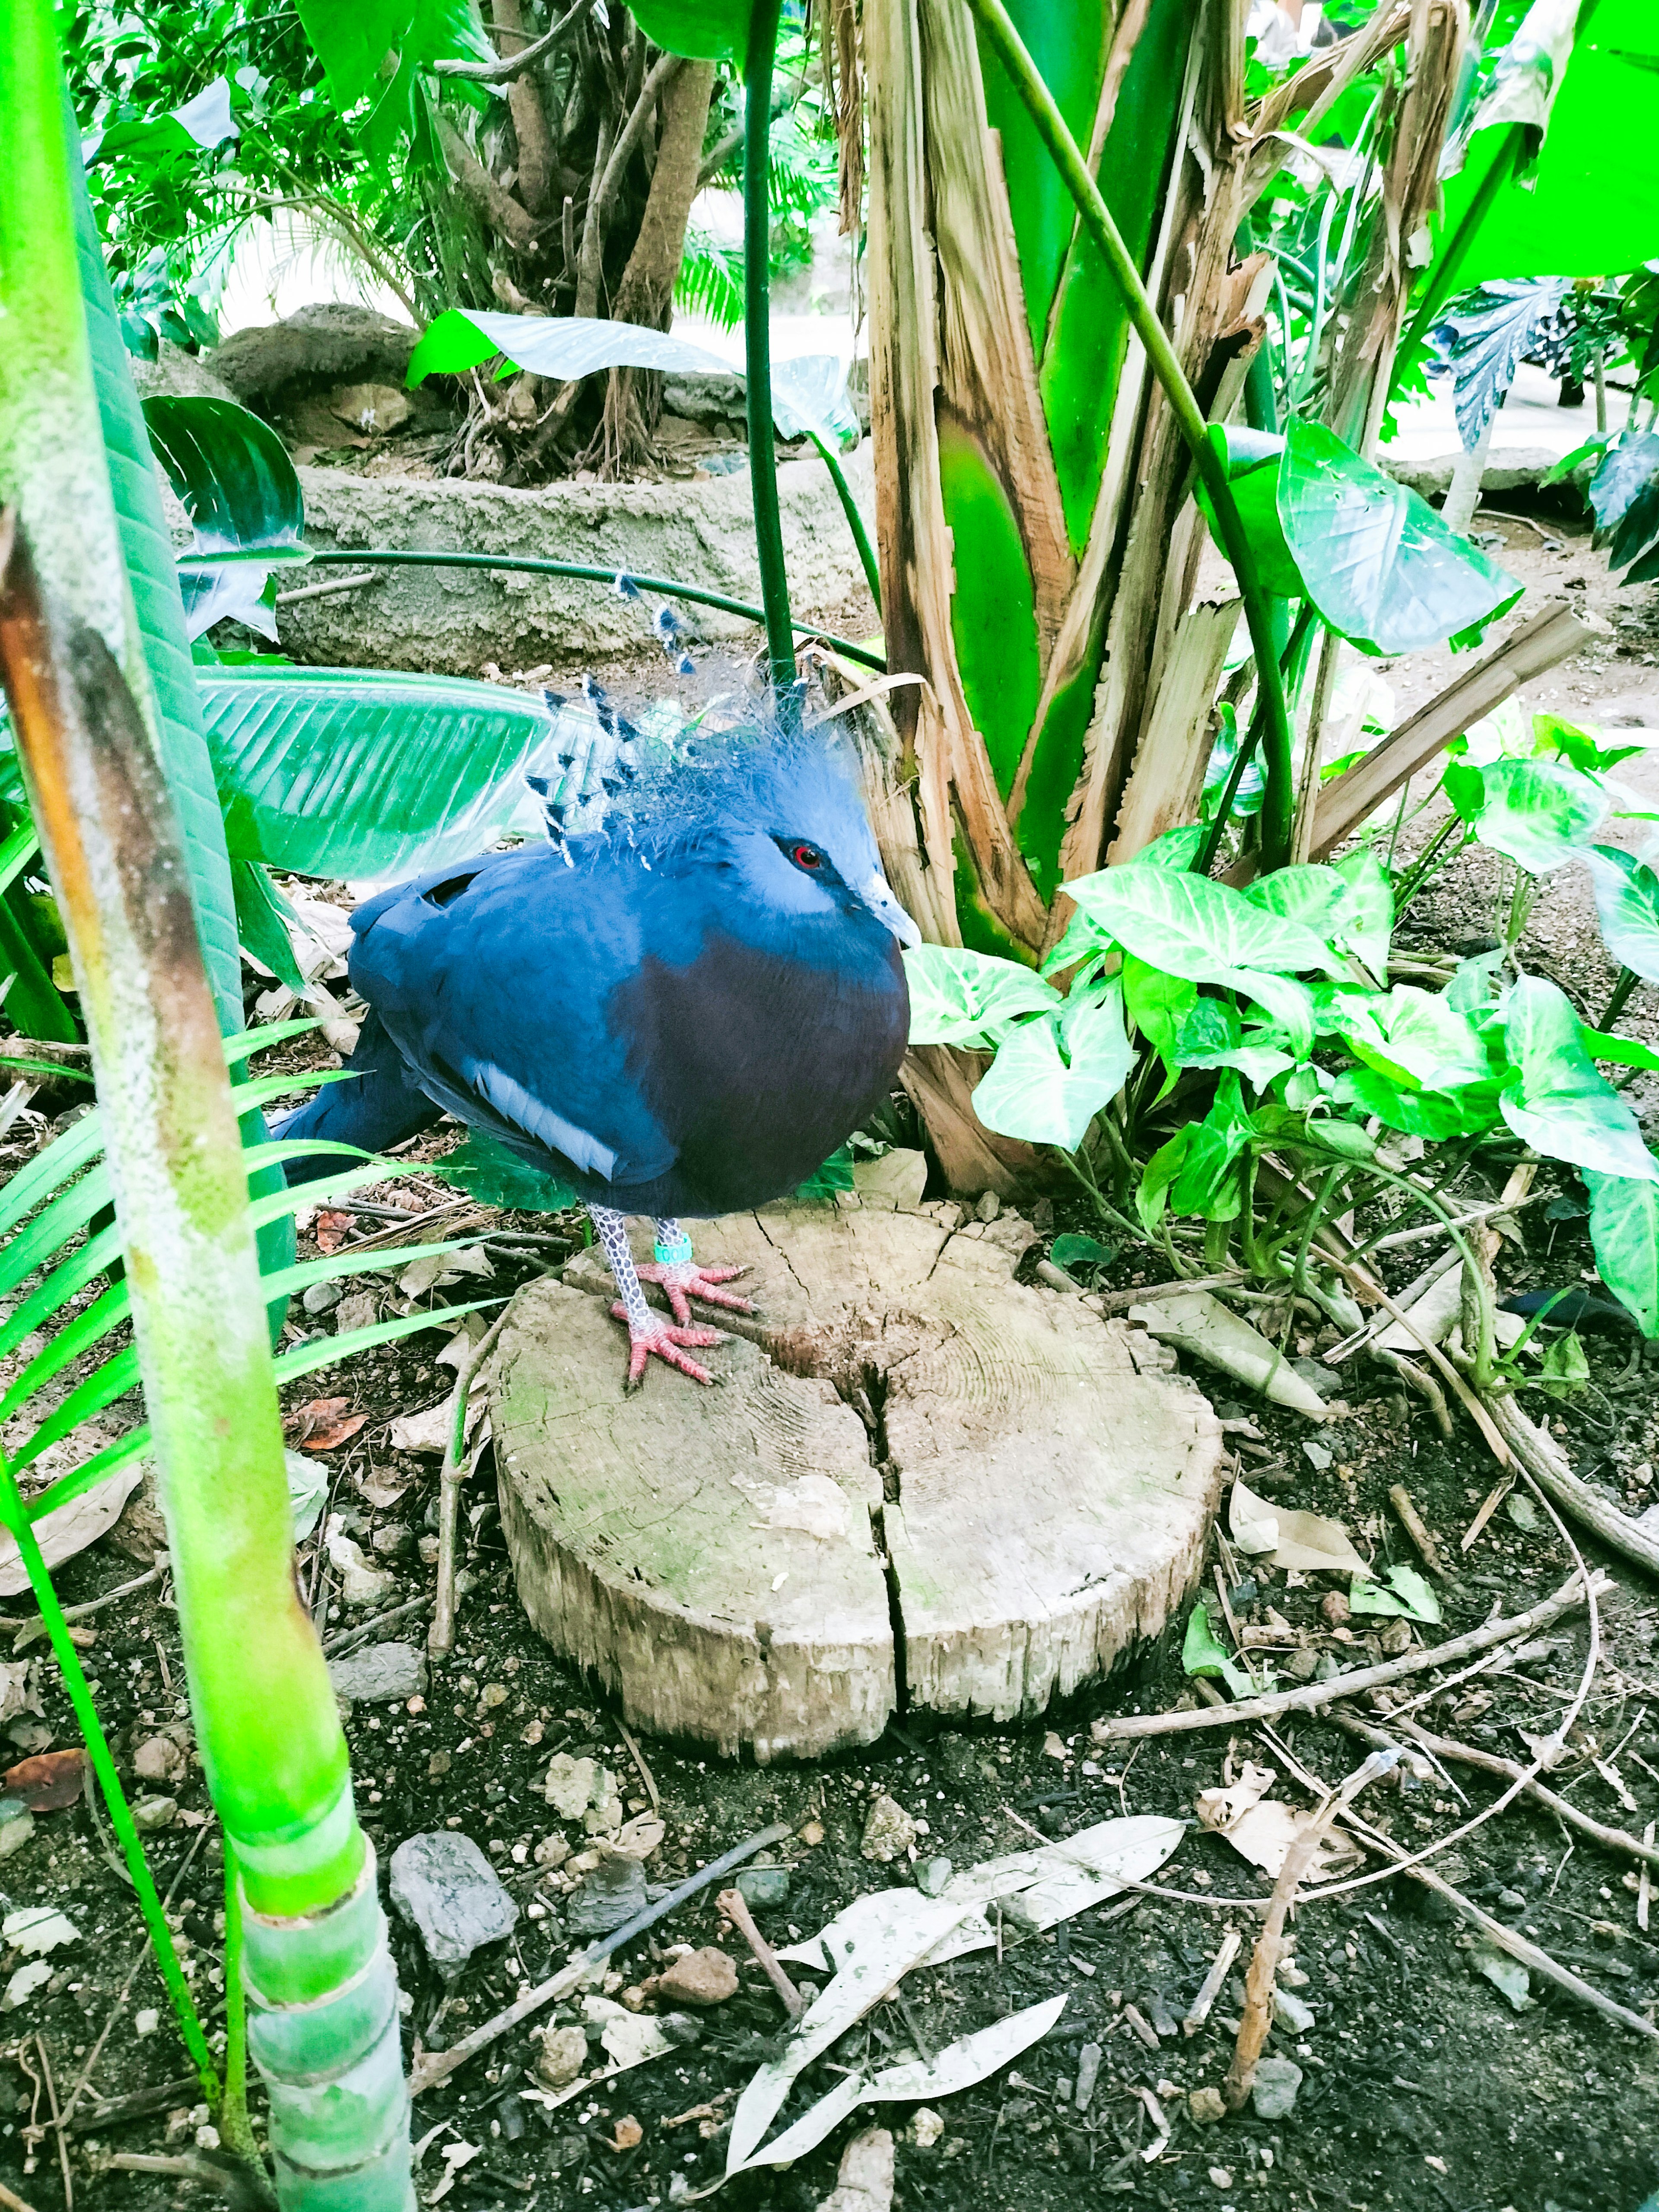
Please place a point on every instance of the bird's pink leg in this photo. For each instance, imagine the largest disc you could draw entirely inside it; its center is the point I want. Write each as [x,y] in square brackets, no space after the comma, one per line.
[677,1274]
[648,1332]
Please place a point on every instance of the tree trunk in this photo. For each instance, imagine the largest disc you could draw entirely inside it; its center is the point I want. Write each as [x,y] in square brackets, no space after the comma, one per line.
[645,294]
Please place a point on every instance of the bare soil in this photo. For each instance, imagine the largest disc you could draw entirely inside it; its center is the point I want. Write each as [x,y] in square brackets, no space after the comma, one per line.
[1422,2086]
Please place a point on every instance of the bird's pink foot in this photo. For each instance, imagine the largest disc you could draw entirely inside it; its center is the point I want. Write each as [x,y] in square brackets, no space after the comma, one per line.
[684,1279]
[653,1334]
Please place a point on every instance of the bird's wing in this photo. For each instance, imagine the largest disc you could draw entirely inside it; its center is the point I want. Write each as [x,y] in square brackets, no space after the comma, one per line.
[496,980]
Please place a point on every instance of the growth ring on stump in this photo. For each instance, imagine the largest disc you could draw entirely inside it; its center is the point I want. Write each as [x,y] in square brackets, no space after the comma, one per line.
[918,1483]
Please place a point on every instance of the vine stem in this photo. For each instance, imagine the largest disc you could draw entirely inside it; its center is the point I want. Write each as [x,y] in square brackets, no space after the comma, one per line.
[1208,458]
[758,339]
[397,556]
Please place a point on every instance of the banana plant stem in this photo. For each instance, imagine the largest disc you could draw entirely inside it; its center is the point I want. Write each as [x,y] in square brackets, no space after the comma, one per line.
[1277,743]
[758,339]
[396,556]
[15,1519]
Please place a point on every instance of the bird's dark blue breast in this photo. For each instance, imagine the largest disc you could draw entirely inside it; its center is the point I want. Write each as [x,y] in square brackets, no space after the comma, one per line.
[646,1033]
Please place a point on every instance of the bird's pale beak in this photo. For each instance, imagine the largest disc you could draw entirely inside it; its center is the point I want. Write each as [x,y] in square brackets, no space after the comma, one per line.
[878,897]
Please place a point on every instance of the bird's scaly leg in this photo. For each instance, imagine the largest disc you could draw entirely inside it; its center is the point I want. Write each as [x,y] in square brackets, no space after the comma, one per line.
[680,1276]
[648,1332]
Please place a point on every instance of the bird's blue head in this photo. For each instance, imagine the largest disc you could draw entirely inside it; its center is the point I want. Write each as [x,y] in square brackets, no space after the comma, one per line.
[784,814]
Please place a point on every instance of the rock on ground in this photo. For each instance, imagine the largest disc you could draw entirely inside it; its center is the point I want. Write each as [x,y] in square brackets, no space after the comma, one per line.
[699,1978]
[613,1891]
[865,2182]
[446,1889]
[380,1674]
[889,1832]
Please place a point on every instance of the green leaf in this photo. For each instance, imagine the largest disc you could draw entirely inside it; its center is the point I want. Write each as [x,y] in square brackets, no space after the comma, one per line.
[1405,1593]
[561,346]
[263,915]
[1627,903]
[809,400]
[1367,924]
[1624,1226]
[233,473]
[1051,1077]
[205,121]
[835,1173]
[356,773]
[1628,468]
[1564,1368]
[963,998]
[489,1173]
[1579,748]
[1557,1100]
[1159,1004]
[1313,895]
[702,30]
[1623,1051]
[1376,561]
[1482,336]
[1203,1654]
[1206,1185]
[1074,1251]
[1426,1114]
[1414,1038]
[1539,812]
[1190,926]
[1594,449]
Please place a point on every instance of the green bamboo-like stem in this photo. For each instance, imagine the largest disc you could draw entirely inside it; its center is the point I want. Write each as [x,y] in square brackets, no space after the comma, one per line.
[758,339]
[324,2027]
[1279,802]
[849,507]
[234,2130]
[386,556]
[15,1521]
[1294,647]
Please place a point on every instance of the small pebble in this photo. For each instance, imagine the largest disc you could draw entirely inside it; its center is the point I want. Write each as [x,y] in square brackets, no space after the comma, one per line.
[701,1977]
[1205,2107]
[763,1886]
[562,2057]
[889,1830]
[1273,2092]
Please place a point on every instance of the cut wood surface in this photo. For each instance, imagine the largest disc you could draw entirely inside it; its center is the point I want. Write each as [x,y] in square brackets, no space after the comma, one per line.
[918,1482]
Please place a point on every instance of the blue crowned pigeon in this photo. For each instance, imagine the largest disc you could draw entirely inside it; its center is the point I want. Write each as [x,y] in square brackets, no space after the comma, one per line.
[681,1011]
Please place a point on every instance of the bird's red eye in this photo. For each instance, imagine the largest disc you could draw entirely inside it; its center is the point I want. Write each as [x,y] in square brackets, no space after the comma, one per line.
[807,856]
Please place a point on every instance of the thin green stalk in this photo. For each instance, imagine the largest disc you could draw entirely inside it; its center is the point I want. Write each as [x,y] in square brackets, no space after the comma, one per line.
[1294,651]
[855,520]
[1305,374]
[758,339]
[1424,865]
[1208,456]
[15,1518]
[400,558]
[1521,906]
[1443,281]
[1628,979]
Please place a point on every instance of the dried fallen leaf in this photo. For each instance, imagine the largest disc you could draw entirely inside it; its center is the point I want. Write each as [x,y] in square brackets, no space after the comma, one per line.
[48,1783]
[1262,1828]
[70,1528]
[323,1424]
[332,1229]
[1309,1541]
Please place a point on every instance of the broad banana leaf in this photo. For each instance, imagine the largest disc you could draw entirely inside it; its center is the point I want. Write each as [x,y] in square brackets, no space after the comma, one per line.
[1576,118]
[356,773]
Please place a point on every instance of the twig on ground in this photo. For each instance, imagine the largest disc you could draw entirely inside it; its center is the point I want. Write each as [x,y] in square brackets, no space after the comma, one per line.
[638,1757]
[1231,1943]
[733,1904]
[1535,1960]
[10,2202]
[1400,1499]
[1499,1207]
[1116,1301]
[1309,1697]
[350,1638]
[1489,1505]
[1544,1461]
[1490,1762]
[27,1631]
[57,2122]
[1646,1892]
[1421,1380]
[441,1637]
[1258,2018]
[437,2066]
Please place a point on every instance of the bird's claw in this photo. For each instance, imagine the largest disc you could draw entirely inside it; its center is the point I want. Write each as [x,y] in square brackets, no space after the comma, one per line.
[657,1337]
[686,1279]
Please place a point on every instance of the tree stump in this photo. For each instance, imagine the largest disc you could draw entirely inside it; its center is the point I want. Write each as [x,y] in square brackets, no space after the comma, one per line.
[919,1483]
